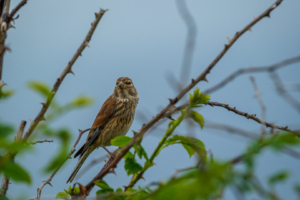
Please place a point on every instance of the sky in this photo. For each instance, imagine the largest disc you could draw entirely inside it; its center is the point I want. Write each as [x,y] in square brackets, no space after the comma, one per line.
[145,40]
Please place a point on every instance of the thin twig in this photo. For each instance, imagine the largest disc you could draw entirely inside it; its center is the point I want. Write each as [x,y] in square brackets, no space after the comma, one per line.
[248,116]
[68,69]
[252,70]
[253,117]
[190,39]
[261,103]
[48,181]
[183,170]
[201,77]
[252,136]
[79,136]
[5,180]
[42,141]
[15,10]
[283,93]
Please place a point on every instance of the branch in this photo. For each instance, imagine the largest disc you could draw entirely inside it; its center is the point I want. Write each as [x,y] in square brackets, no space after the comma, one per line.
[270,68]
[5,180]
[190,40]
[201,77]
[79,137]
[5,25]
[33,143]
[48,181]
[68,69]
[15,10]
[282,92]
[261,103]
[253,136]
[253,117]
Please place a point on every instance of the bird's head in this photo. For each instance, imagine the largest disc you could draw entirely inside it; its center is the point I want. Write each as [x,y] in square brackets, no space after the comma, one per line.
[125,89]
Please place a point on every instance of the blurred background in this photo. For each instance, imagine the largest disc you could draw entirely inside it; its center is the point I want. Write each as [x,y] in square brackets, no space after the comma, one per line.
[145,40]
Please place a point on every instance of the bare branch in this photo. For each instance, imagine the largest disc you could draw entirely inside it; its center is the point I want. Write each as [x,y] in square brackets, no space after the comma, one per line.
[21,130]
[261,103]
[5,180]
[42,141]
[15,10]
[190,39]
[253,136]
[48,181]
[4,26]
[59,80]
[270,68]
[282,92]
[79,136]
[253,117]
[201,77]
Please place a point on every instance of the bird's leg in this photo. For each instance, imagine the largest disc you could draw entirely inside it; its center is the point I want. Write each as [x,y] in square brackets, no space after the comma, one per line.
[110,153]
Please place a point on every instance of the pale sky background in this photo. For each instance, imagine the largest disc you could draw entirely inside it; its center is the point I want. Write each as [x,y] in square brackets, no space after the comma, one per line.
[145,40]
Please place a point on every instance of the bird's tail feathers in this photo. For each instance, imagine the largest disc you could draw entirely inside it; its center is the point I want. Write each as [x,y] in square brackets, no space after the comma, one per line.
[79,164]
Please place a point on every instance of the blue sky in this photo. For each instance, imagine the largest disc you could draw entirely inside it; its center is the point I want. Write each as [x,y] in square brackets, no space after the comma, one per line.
[145,40]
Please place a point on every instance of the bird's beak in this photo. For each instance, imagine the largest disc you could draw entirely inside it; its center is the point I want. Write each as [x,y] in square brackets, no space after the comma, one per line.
[121,85]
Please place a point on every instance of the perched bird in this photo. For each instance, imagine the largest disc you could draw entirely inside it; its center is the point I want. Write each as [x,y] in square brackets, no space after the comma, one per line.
[114,119]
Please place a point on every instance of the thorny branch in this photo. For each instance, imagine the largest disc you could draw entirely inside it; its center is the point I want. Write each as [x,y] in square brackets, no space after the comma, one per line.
[68,69]
[248,116]
[251,116]
[5,20]
[201,77]
[48,181]
[253,136]
[253,70]
[42,141]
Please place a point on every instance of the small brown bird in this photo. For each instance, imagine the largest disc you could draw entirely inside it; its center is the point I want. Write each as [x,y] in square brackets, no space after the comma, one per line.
[114,119]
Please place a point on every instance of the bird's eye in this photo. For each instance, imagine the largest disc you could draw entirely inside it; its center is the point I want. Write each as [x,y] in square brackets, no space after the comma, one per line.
[128,83]
[116,83]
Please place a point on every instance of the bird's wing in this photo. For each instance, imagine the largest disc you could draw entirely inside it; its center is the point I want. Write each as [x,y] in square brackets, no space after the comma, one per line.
[105,113]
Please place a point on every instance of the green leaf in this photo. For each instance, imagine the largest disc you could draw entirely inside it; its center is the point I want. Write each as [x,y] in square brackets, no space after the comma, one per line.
[64,137]
[82,101]
[40,87]
[128,155]
[189,149]
[191,145]
[62,195]
[140,151]
[6,93]
[278,177]
[131,166]
[197,118]
[16,172]
[5,130]
[57,160]
[297,189]
[2,197]
[104,186]
[120,141]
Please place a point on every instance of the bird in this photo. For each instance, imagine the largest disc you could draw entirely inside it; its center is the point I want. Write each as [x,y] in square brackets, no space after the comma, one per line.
[114,119]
